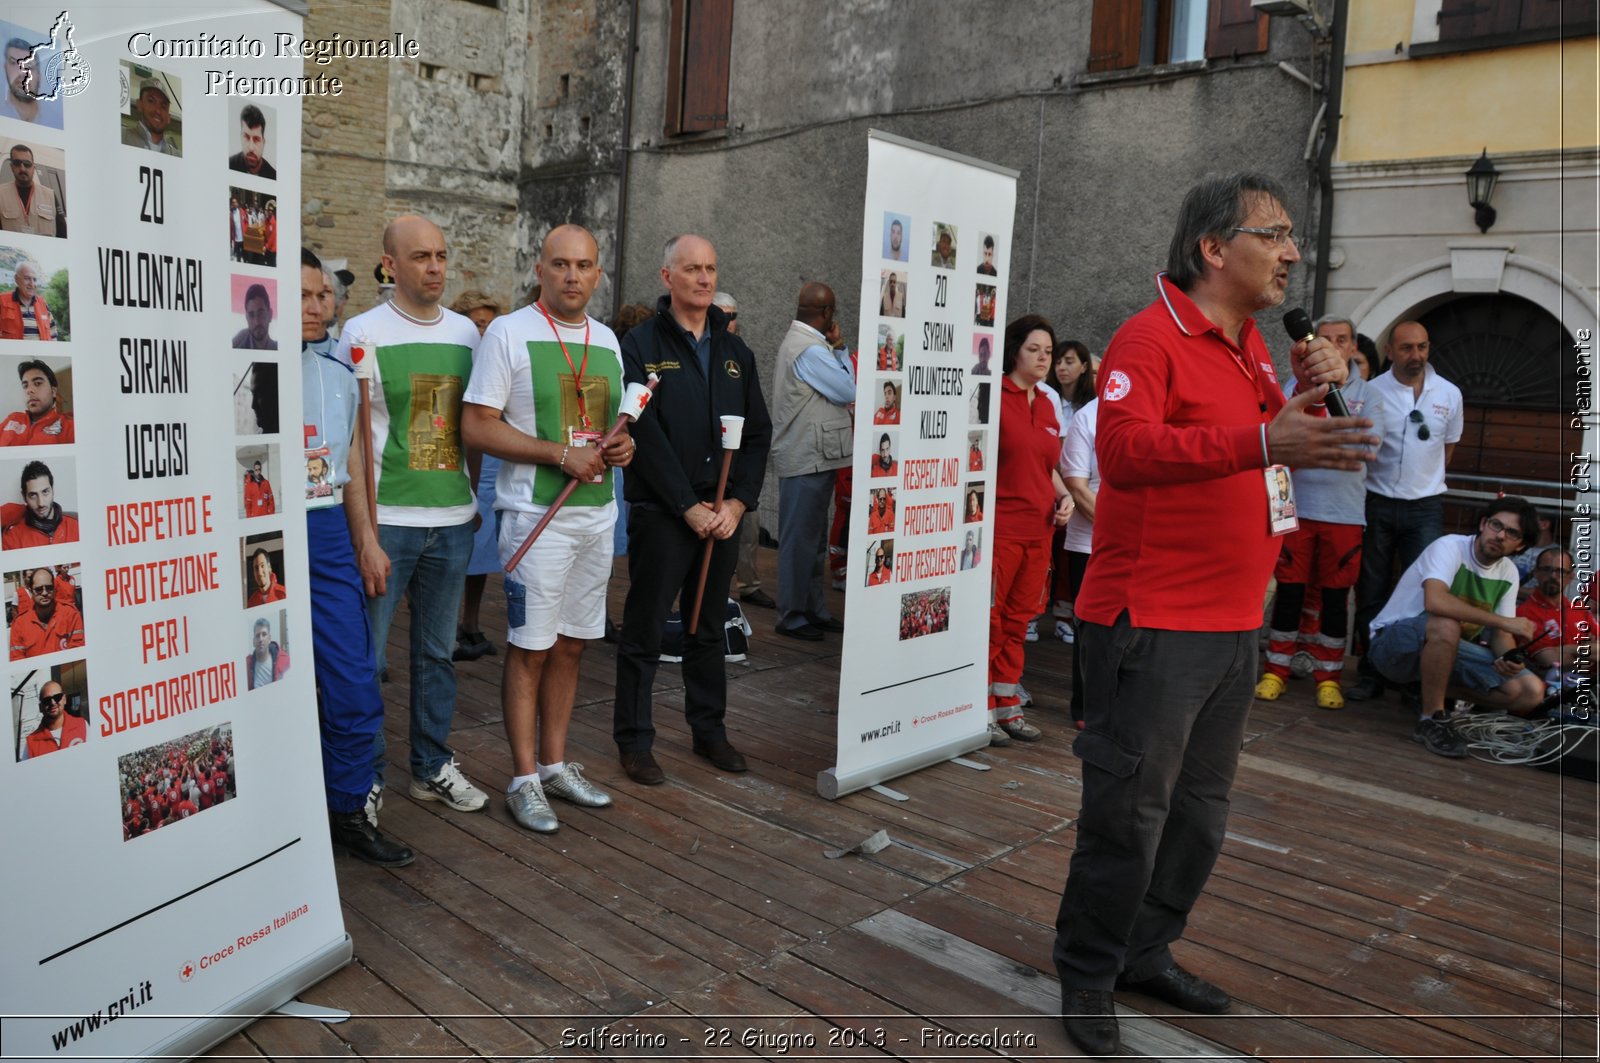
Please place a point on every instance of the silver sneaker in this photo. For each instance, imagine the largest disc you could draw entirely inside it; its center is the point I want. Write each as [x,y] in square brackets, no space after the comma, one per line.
[374,803]
[529,807]
[451,787]
[570,785]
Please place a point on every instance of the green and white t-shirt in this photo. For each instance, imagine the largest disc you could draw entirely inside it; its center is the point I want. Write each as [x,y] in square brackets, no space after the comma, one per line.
[1450,560]
[520,369]
[419,374]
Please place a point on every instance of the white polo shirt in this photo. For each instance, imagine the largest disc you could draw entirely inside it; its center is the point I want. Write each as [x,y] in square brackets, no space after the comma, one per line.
[1406,466]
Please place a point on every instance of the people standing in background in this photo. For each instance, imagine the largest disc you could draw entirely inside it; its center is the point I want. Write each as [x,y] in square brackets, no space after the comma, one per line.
[471,643]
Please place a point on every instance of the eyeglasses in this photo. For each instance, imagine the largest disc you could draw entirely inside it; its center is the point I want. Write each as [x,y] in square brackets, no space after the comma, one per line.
[1422,428]
[21,164]
[1280,234]
[48,588]
[51,699]
[1508,532]
[1554,571]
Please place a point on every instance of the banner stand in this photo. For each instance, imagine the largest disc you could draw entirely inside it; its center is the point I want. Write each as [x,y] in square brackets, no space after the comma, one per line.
[935,254]
[235,1015]
[832,785]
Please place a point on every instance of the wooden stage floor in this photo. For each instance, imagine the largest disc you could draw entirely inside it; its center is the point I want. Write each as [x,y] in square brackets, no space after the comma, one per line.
[1372,901]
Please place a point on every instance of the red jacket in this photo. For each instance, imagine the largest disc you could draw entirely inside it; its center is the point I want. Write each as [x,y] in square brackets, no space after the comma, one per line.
[274,593]
[280,665]
[258,497]
[74,732]
[54,427]
[1180,529]
[17,534]
[11,316]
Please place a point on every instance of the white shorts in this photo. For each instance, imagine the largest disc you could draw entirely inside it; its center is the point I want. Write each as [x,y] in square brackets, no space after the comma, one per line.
[559,587]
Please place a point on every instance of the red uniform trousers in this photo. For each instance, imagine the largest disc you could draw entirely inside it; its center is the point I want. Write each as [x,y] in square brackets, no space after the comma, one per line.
[1021,582]
[1325,558]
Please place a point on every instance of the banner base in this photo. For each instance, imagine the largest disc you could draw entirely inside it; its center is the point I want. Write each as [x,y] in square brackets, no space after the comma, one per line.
[264,999]
[833,784]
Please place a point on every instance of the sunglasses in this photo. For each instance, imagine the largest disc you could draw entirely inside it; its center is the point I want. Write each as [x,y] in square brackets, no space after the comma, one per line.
[1422,429]
[52,699]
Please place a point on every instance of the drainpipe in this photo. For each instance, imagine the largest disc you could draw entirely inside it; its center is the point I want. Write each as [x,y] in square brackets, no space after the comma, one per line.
[1319,291]
[627,156]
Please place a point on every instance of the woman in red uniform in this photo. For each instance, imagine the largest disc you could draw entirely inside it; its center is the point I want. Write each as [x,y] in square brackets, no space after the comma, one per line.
[1030,502]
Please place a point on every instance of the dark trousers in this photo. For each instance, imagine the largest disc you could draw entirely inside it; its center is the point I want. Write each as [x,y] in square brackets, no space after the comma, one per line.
[1398,530]
[803,548]
[664,564]
[349,705]
[1164,720]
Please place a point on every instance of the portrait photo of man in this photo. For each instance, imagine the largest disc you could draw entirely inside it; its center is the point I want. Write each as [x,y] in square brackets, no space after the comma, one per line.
[40,519]
[251,158]
[49,709]
[32,199]
[260,466]
[262,563]
[269,657]
[944,245]
[33,305]
[47,618]
[155,113]
[24,96]
[45,417]
[257,305]
[895,246]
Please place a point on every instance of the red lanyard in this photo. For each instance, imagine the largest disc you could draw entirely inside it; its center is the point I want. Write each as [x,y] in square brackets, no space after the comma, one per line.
[577,370]
[1252,375]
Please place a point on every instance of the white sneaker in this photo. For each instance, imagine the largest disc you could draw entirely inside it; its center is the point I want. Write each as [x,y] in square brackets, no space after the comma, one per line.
[374,803]
[1065,633]
[451,787]
[1033,630]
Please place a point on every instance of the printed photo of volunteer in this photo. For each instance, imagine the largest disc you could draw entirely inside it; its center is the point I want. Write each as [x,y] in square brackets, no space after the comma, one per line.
[49,709]
[261,561]
[44,610]
[40,503]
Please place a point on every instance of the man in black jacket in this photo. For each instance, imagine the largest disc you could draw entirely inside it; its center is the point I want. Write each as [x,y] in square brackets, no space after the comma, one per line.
[705,373]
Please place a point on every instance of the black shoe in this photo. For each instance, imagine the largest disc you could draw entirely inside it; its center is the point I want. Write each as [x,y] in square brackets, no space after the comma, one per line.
[832,624]
[805,632]
[470,645]
[722,754]
[758,597]
[1181,989]
[1367,688]
[357,836]
[1439,736]
[641,766]
[1091,1021]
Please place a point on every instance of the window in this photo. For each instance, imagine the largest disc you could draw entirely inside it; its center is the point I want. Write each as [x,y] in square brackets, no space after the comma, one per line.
[1490,23]
[1124,34]
[697,68]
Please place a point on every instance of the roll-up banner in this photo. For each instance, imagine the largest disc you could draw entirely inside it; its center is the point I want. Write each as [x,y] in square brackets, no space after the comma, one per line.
[168,872]
[935,244]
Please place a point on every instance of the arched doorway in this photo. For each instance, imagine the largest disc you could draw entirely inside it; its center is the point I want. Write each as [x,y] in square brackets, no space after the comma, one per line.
[1515,366]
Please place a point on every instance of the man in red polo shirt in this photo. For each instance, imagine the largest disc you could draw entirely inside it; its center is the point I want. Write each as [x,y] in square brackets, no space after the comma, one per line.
[1563,628]
[1192,427]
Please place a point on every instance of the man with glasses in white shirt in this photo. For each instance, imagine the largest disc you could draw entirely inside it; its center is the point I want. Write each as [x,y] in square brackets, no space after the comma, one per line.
[1428,631]
[1420,423]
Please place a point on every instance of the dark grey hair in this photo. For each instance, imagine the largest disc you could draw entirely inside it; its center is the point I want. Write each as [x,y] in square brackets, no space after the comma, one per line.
[1212,208]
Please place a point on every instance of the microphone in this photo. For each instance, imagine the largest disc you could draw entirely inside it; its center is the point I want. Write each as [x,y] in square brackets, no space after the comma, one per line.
[1297,323]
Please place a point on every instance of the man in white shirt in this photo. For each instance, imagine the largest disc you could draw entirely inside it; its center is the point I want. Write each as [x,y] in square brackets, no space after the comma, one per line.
[1460,586]
[1420,422]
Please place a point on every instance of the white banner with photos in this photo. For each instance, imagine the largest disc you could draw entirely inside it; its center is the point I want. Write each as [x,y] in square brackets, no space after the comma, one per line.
[168,872]
[936,243]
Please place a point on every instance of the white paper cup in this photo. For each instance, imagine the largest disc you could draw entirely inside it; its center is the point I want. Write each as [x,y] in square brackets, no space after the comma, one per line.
[634,399]
[732,431]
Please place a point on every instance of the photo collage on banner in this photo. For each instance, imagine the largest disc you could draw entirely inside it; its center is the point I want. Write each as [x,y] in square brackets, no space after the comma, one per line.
[935,237]
[152,564]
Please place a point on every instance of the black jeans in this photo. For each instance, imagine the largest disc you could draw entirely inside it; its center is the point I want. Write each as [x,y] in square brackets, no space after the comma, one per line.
[1164,721]
[1398,530]
[663,565]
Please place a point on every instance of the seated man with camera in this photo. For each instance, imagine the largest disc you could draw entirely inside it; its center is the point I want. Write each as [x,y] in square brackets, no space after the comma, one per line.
[1461,586]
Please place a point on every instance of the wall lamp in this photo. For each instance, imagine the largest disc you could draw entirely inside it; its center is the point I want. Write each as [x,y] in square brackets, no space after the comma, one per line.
[1481,178]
